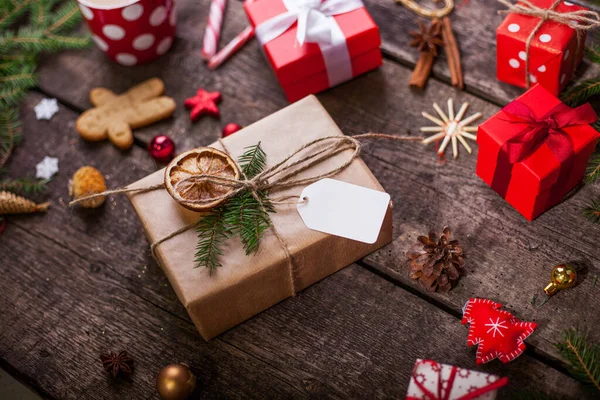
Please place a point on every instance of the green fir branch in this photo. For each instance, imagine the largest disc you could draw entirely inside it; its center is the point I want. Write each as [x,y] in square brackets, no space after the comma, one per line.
[592,173]
[10,133]
[24,185]
[581,92]
[592,211]
[64,18]
[592,52]
[12,12]
[582,356]
[212,231]
[18,76]
[244,215]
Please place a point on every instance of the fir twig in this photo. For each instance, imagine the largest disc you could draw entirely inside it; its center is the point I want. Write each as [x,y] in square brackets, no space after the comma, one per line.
[592,173]
[580,93]
[592,211]
[10,133]
[23,185]
[582,356]
[243,214]
[212,231]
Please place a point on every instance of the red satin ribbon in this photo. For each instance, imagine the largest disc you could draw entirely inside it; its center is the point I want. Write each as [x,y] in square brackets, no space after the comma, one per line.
[446,396]
[546,129]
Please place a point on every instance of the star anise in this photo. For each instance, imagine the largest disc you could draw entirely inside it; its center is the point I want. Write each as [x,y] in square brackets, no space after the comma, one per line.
[428,39]
[117,363]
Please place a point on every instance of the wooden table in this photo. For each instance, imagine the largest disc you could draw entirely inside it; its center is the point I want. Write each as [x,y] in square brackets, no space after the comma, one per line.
[76,282]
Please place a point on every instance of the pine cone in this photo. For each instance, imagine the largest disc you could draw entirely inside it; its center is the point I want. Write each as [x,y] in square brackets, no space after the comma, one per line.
[436,261]
[10,203]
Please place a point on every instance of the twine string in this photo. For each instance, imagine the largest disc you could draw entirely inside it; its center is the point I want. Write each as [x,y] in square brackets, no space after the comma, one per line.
[580,20]
[279,176]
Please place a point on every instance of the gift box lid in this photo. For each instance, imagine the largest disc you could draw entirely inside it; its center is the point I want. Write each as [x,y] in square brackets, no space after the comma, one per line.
[292,62]
[540,170]
[552,37]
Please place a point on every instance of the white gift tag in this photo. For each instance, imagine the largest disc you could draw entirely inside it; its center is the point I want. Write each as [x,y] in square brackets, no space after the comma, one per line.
[343,209]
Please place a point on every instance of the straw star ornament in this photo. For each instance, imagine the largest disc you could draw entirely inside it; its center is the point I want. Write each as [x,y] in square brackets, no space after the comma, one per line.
[451,128]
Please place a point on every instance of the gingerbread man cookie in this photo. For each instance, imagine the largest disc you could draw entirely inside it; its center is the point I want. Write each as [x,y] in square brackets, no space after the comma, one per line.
[114,116]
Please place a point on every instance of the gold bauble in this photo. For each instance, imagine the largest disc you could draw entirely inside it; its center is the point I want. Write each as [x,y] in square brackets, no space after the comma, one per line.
[175,382]
[563,276]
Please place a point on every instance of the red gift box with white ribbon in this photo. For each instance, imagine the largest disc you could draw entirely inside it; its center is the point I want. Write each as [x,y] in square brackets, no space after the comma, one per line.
[434,381]
[555,48]
[313,45]
[535,150]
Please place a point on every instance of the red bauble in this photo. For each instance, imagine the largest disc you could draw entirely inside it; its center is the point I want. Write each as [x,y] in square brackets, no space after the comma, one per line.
[203,103]
[496,332]
[230,129]
[161,148]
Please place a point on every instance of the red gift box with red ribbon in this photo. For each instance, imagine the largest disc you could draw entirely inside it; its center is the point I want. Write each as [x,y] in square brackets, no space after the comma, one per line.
[535,150]
[313,45]
[555,49]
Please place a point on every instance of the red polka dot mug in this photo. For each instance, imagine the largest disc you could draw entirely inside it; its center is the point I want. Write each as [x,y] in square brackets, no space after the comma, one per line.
[131,31]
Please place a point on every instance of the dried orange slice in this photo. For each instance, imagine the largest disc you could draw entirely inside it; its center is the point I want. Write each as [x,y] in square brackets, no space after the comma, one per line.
[204,160]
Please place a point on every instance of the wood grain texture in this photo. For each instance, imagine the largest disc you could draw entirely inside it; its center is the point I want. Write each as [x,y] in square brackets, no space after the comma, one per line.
[351,335]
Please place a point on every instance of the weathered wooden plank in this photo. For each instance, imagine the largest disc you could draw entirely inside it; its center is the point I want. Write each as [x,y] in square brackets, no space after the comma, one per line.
[378,101]
[353,334]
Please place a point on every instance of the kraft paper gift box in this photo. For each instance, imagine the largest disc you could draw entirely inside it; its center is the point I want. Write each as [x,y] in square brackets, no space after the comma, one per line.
[432,380]
[246,285]
[540,180]
[554,53]
[312,67]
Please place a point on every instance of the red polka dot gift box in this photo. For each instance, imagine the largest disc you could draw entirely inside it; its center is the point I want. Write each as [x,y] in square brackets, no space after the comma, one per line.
[535,150]
[531,50]
[131,32]
[313,45]
[432,380]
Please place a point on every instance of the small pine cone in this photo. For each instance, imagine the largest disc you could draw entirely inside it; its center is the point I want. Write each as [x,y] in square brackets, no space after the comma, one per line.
[10,203]
[88,181]
[436,261]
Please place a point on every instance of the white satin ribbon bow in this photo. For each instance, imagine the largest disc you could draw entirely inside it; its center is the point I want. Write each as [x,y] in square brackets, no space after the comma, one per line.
[315,25]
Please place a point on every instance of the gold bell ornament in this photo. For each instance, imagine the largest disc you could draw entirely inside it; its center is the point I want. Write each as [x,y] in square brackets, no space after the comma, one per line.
[175,382]
[564,276]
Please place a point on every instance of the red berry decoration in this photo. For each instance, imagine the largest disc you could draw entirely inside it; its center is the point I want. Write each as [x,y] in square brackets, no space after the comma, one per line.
[203,103]
[496,332]
[162,149]
[230,129]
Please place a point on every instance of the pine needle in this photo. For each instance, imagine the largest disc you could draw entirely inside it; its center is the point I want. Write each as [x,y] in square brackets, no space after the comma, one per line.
[24,185]
[582,356]
[592,173]
[592,211]
[10,133]
[582,92]
[243,214]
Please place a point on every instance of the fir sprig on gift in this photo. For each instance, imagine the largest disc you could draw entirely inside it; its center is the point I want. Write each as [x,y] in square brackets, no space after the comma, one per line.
[242,215]
[592,174]
[27,28]
[582,356]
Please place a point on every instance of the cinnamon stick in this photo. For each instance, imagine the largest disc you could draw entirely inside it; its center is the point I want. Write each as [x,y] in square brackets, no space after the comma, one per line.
[422,70]
[452,54]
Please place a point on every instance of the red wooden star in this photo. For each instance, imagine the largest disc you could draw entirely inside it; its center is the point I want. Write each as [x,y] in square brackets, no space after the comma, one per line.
[203,103]
[496,332]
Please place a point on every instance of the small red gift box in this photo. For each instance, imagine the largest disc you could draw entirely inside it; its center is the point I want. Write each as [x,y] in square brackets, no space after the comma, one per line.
[431,380]
[554,53]
[535,150]
[313,45]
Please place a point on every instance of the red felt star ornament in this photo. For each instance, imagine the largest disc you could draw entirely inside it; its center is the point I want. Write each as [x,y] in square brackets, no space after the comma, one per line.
[497,333]
[203,103]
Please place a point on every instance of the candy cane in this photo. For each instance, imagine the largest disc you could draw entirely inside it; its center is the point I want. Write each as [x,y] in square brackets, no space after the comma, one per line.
[213,28]
[237,43]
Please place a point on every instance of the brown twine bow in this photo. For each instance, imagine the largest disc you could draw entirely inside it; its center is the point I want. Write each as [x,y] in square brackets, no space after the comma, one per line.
[279,176]
[580,20]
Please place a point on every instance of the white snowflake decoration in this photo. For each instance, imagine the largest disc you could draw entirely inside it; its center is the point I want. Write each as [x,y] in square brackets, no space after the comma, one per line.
[451,128]
[46,168]
[46,109]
